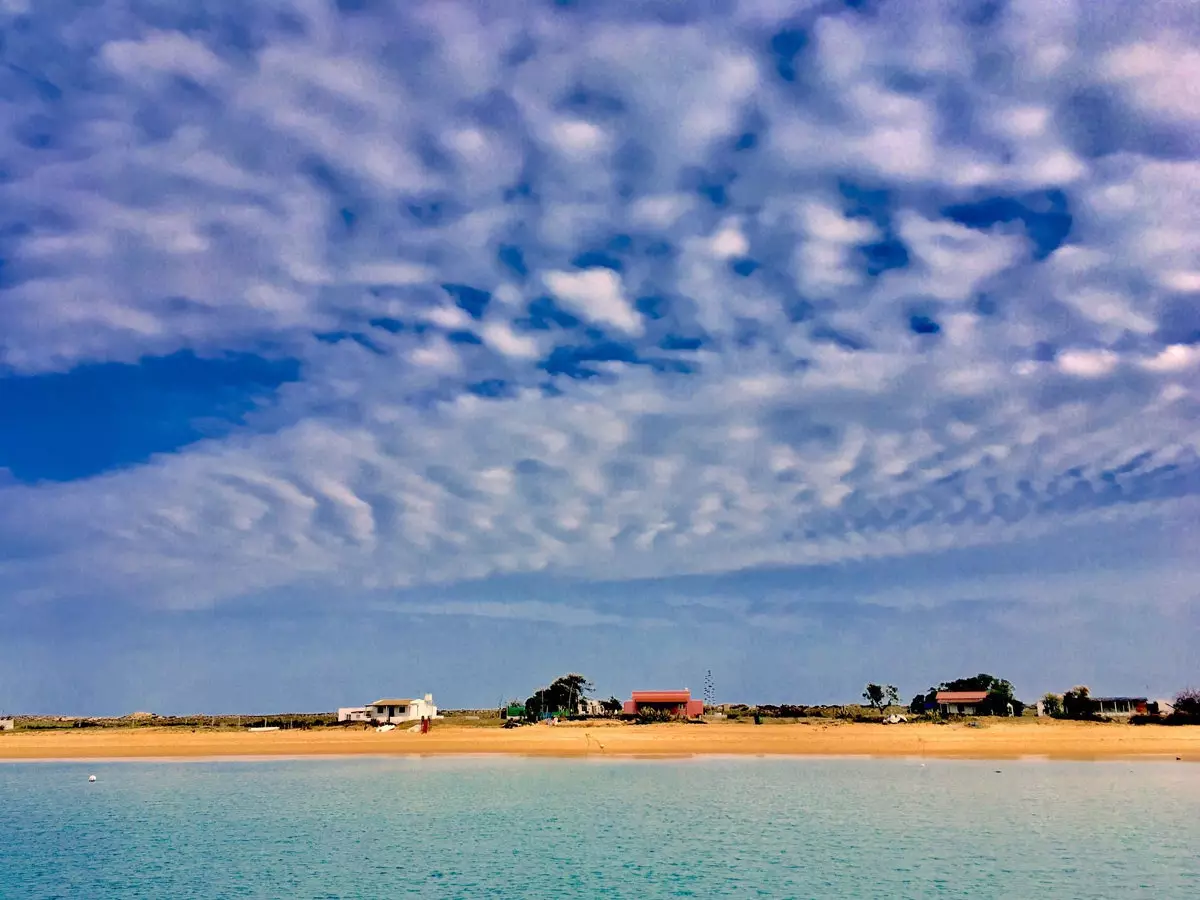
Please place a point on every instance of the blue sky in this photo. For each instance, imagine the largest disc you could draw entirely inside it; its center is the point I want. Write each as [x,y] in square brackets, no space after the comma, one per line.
[352,347]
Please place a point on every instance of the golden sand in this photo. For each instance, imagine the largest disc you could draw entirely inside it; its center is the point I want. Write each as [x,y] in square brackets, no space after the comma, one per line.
[998,739]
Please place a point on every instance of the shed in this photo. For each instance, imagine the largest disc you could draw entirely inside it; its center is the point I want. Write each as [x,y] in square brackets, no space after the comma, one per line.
[1120,706]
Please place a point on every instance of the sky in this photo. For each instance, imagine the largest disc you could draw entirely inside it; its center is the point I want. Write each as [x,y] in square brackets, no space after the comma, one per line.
[363,347]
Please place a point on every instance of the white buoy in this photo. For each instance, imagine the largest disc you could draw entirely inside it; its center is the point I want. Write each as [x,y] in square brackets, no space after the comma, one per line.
[91,778]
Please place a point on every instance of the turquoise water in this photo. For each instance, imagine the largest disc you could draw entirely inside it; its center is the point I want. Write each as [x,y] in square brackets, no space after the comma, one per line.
[458,828]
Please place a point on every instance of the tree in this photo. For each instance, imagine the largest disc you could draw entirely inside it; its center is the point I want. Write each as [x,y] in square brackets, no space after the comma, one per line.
[1187,703]
[980,682]
[612,706]
[881,696]
[1001,697]
[918,705]
[568,691]
[1077,703]
[562,696]
[533,707]
[1052,704]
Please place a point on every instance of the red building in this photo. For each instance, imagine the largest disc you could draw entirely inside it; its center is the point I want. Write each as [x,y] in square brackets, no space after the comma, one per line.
[675,703]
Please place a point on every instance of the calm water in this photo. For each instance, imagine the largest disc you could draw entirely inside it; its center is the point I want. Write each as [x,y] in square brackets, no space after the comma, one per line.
[551,829]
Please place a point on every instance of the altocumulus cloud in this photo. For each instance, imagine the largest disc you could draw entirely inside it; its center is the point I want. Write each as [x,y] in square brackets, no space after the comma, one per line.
[619,290]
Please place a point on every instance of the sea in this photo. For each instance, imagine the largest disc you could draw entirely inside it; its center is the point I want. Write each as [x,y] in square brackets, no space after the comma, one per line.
[523,828]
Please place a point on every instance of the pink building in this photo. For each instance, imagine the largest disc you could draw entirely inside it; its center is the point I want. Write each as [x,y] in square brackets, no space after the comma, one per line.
[675,703]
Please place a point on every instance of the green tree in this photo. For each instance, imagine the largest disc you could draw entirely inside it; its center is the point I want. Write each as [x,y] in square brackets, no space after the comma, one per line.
[1077,703]
[562,696]
[612,706]
[1187,703]
[1000,698]
[1052,704]
[919,704]
[980,682]
[881,696]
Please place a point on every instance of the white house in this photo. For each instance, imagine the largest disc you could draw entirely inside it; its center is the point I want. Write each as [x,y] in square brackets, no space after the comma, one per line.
[7,725]
[960,703]
[353,714]
[589,706]
[394,710]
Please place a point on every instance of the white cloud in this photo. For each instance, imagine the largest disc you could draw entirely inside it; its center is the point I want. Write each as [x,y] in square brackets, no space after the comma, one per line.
[1175,358]
[448,317]
[597,294]
[824,262]
[163,53]
[578,138]
[729,242]
[1163,75]
[660,211]
[1088,363]
[500,336]
[1184,282]
[390,273]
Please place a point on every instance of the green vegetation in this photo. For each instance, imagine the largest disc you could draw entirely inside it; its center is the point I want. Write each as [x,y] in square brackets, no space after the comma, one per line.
[1052,704]
[210,723]
[1187,703]
[1077,703]
[1186,711]
[881,696]
[999,691]
[562,697]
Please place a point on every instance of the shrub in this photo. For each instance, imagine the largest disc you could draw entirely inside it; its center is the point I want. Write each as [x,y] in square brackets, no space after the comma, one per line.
[1187,703]
[1078,704]
[650,716]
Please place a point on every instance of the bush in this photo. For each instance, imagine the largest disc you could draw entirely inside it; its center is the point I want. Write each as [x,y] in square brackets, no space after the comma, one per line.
[1187,703]
[786,711]
[1174,718]
[651,716]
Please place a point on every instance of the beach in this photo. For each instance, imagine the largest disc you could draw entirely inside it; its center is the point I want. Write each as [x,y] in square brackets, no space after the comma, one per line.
[997,739]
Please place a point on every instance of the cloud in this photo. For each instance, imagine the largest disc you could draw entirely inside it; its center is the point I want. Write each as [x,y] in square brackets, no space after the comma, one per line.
[597,295]
[612,296]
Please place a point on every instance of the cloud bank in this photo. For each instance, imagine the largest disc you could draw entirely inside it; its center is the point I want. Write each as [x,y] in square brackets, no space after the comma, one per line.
[607,291]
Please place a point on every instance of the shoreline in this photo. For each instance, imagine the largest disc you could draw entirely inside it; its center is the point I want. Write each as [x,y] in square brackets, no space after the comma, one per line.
[1020,740]
[1027,760]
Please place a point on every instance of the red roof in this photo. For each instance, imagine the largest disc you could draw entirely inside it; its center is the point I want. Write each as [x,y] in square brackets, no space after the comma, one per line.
[662,696]
[961,696]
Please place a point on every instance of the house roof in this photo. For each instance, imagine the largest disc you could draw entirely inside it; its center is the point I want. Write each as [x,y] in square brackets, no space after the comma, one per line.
[961,696]
[1119,699]
[392,702]
[662,696]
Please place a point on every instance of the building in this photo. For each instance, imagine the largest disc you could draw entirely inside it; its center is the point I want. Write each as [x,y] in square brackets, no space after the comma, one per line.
[1119,706]
[589,707]
[393,710]
[7,725]
[353,714]
[960,703]
[674,703]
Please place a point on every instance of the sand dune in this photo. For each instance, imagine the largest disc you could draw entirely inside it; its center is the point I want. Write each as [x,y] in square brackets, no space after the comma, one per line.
[996,740]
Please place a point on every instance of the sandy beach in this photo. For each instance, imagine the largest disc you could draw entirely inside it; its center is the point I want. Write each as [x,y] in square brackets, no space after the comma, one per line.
[998,740]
